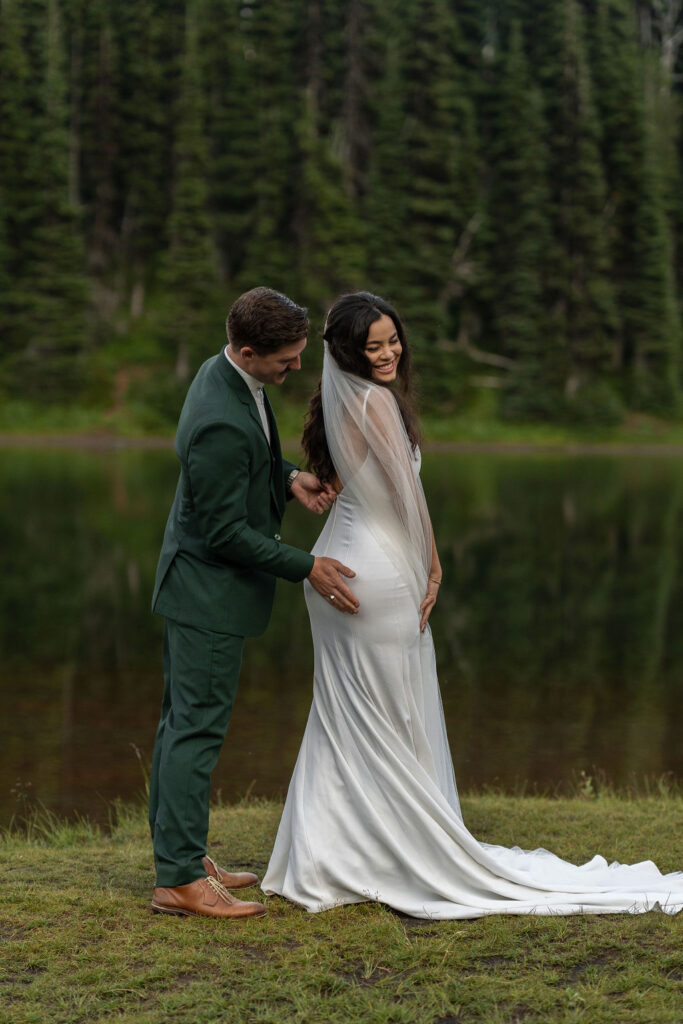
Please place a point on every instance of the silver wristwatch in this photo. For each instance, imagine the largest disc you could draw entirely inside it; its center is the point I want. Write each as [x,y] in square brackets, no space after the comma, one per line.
[292,477]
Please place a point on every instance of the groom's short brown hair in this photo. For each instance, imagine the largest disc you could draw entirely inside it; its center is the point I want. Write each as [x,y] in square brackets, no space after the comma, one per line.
[265,320]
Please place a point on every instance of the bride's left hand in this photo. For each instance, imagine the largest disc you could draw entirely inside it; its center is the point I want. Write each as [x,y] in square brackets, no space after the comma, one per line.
[312,493]
[428,603]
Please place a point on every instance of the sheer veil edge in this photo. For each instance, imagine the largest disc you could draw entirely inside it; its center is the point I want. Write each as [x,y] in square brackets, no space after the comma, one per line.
[374,460]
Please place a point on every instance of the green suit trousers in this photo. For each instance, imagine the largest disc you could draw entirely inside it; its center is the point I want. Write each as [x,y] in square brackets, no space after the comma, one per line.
[201,670]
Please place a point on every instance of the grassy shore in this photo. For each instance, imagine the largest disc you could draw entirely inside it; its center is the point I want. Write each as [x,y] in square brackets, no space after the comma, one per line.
[23,422]
[80,944]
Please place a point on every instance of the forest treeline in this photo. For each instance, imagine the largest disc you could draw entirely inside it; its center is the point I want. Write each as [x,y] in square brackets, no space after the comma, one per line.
[508,173]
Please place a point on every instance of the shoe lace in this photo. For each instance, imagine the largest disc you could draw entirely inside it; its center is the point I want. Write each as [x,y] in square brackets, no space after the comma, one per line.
[213,864]
[220,890]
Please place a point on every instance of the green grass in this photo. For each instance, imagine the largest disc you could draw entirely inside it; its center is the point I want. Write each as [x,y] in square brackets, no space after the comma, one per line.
[479,425]
[19,417]
[635,430]
[78,942]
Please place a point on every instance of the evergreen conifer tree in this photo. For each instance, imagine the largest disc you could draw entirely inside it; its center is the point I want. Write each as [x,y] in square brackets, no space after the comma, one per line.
[276,45]
[231,128]
[677,205]
[18,185]
[50,361]
[467,281]
[677,199]
[148,53]
[441,171]
[331,160]
[431,154]
[331,258]
[381,143]
[384,208]
[580,293]
[476,22]
[367,26]
[649,329]
[97,133]
[16,125]
[5,281]
[518,213]
[189,274]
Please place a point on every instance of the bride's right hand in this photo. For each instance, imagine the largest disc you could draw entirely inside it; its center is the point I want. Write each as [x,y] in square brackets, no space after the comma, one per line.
[429,602]
[326,578]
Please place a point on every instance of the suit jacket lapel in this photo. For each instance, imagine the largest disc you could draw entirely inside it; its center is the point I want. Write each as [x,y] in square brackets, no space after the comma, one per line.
[276,481]
[274,436]
[241,389]
[246,396]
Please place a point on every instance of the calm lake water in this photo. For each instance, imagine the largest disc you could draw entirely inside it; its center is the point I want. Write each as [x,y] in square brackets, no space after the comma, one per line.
[559,630]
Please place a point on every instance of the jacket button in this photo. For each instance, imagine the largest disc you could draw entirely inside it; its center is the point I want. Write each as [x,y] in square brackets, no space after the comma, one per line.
[277,536]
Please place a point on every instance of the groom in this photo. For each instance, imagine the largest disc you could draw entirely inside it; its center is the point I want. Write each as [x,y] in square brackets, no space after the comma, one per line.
[214,586]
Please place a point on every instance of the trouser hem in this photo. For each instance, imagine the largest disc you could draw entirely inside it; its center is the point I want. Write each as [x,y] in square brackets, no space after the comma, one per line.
[169,878]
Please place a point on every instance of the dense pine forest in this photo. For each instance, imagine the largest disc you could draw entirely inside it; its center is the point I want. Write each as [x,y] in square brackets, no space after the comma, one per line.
[508,173]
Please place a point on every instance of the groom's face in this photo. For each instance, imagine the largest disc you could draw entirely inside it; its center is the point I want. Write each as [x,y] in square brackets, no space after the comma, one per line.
[273,367]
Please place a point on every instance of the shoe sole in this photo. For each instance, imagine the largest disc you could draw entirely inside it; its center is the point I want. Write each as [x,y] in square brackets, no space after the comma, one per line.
[177,912]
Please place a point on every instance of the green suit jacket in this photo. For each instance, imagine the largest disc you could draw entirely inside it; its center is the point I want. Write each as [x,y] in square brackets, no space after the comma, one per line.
[222,550]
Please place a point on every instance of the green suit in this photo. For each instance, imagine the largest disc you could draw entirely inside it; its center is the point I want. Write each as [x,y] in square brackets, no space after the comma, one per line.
[215,583]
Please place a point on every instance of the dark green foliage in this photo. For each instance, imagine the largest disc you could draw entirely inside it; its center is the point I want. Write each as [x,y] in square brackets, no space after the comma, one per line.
[274,47]
[384,209]
[149,43]
[48,328]
[15,144]
[5,256]
[99,130]
[434,209]
[649,341]
[583,321]
[519,212]
[18,184]
[677,172]
[189,271]
[508,174]
[227,55]
[331,256]
[440,203]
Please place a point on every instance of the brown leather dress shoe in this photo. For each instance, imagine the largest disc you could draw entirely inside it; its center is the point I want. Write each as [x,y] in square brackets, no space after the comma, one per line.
[230,879]
[204,897]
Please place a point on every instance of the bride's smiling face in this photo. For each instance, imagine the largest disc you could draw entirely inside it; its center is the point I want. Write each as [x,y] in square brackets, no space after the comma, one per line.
[383,349]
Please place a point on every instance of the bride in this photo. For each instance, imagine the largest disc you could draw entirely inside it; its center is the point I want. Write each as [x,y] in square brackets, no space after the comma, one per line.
[372,811]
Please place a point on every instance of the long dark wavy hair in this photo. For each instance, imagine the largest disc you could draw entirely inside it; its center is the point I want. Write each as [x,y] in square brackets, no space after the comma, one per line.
[346,334]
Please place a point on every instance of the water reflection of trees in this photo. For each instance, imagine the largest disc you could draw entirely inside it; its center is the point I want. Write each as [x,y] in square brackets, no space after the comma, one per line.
[558,628]
[78,538]
[565,610]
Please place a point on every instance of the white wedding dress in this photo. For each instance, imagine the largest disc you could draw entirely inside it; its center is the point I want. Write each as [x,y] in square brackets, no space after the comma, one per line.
[372,811]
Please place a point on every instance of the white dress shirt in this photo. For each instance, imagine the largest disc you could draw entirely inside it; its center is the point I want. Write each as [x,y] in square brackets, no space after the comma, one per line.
[256,388]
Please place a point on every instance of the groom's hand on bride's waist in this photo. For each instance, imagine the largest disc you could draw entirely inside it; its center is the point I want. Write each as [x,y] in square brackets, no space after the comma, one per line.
[326,577]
